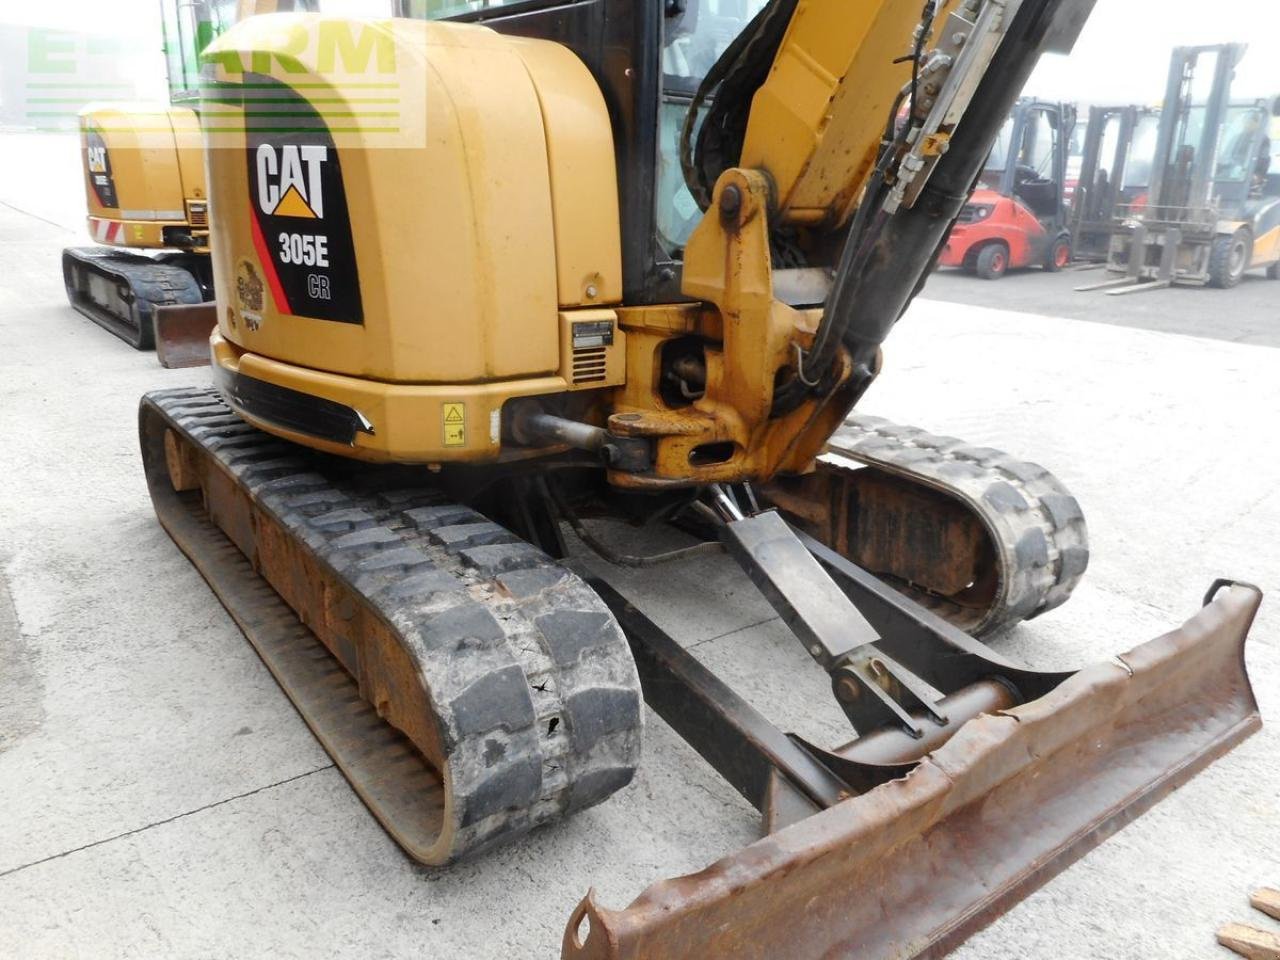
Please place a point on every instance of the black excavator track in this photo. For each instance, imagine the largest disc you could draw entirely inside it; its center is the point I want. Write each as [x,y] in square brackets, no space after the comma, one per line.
[469,686]
[363,593]
[1011,524]
[119,290]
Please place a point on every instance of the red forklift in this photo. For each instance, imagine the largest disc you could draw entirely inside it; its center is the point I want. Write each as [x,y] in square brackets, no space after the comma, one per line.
[1017,215]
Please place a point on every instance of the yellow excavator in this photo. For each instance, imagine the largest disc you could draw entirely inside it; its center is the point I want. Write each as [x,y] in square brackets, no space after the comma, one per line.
[509,268]
[145,188]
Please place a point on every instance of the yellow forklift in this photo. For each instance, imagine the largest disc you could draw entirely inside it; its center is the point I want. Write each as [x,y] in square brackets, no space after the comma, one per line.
[1213,210]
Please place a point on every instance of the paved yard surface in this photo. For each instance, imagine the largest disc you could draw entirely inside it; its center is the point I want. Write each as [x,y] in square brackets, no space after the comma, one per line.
[1248,314]
[162,799]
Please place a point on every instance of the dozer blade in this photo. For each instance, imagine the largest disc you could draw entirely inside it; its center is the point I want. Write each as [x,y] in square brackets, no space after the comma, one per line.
[912,867]
[182,334]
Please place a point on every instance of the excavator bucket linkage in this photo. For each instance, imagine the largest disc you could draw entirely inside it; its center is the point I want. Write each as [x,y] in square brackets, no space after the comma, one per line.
[973,780]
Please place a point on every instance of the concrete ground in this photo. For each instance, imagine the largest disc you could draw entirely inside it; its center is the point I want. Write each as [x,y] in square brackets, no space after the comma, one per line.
[161,797]
[1248,314]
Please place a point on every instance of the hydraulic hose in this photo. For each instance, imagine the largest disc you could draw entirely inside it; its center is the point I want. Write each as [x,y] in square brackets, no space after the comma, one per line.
[865,307]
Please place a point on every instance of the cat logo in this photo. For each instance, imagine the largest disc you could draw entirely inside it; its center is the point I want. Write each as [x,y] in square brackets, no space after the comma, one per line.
[97,159]
[290,182]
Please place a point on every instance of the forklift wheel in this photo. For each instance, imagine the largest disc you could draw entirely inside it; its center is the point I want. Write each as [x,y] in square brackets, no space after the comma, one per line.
[1273,271]
[1059,255]
[1229,259]
[993,261]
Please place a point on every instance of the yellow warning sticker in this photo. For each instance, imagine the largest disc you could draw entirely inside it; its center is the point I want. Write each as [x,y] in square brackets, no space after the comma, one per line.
[455,424]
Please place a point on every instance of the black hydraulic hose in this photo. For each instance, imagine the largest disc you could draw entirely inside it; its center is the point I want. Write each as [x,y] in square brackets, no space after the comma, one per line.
[927,16]
[908,245]
[814,363]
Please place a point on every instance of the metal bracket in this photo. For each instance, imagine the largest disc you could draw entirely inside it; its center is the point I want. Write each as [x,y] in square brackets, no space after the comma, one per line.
[871,687]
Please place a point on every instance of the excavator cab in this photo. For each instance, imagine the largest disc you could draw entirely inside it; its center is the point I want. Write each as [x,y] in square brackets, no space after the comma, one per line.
[189,27]
[1017,216]
[694,37]
[442,341]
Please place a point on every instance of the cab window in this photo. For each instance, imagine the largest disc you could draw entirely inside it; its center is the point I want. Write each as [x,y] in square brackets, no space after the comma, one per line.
[440,9]
[695,35]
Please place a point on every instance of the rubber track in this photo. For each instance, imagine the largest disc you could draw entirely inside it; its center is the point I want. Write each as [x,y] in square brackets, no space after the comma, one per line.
[537,698]
[1038,528]
[151,284]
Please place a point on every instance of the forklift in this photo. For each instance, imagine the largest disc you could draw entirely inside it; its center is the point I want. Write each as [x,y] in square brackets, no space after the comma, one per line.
[1017,215]
[1213,211]
[1114,177]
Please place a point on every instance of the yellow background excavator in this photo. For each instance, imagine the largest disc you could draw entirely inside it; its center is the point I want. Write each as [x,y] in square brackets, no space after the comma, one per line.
[145,188]
[544,262]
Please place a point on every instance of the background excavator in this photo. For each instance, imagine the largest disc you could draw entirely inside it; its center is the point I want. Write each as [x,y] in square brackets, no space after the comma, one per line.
[145,187]
[442,341]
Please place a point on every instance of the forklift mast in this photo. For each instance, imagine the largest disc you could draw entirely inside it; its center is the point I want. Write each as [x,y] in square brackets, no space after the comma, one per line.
[1211,215]
[1190,128]
[1115,175]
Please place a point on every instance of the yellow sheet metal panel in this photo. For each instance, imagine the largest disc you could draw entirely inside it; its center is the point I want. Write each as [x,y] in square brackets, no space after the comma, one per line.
[584,180]
[189,144]
[452,231]
[410,423]
[131,163]
[147,234]
[1266,248]
[816,123]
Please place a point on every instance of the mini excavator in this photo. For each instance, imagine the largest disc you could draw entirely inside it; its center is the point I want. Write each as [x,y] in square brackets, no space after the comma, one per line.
[145,188]
[636,259]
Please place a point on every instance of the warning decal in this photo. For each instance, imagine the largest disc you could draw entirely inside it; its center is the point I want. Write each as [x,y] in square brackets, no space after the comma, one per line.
[455,424]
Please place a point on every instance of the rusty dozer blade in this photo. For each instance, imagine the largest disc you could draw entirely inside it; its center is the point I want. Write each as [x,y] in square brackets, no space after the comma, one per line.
[182,334]
[953,803]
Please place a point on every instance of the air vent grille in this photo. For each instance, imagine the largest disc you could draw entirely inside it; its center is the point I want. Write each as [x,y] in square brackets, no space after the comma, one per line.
[198,214]
[589,364]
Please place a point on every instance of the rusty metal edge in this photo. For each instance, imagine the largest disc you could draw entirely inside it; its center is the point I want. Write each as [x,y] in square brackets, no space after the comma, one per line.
[182,334]
[684,910]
